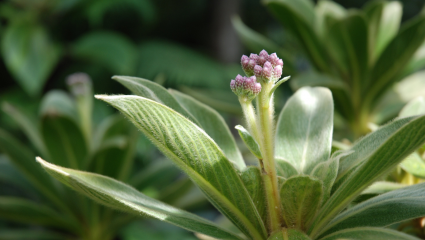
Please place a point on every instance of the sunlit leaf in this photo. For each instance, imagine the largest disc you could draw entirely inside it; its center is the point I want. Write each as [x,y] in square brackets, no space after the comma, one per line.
[249,141]
[197,155]
[304,129]
[125,198]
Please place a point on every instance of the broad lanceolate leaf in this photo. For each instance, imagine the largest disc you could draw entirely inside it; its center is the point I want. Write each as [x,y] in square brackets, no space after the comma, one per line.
[369,233]
[251,178]
[347,41]
[384,20]
[214,125]
[304,129]
[380,161]
[112,50]
[249,141]
[197,154]
[23,210]
[299,18]
[61,133]
[289,234]
[327,12]
[395,56]
[367,145]
[29,54]
[123,197]
[202,115]
[301,197]
[381,211]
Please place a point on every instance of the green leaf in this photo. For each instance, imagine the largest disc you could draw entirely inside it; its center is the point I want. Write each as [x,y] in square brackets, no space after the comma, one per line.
[160,171]
[380,161]
[10,175]
[29,54]
[249,141]
[202,115]
[299,18]
[213,124]
[395,57]
[289,234]
[314,79]
[153,91]
[62,136]
[384,21]
[251,178]
[301,197]
[363,149]
[25,211]
[285,169]
[125,198]
[30,234]
[369,233]
[327,12]
[256,42]
[327,172]
[414,107]
[304,129]
[27,124]
[417,62]
[197,155]
[180,65]
[112,50]
[414,165]
[347,42]
[381,211]
[23,158]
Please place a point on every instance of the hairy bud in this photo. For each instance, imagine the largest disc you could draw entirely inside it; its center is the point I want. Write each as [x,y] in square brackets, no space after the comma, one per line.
[264,66]
[245,87]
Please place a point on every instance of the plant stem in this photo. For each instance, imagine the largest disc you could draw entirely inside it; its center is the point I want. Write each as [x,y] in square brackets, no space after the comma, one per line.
[250,118]
[266,141]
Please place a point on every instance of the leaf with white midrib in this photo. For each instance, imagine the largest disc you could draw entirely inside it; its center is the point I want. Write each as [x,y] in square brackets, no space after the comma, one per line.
[117,195]
[198,155]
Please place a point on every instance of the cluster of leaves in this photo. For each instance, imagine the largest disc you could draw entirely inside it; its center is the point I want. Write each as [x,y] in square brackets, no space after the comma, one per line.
[315,186]
[358,54]
[64,134]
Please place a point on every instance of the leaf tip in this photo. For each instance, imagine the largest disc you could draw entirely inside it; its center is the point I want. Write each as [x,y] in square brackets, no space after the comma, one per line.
[101,96]
[48,166]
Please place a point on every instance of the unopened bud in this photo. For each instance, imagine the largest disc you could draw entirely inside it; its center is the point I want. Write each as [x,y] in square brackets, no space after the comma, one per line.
[267,71]
[257,71]
[277,72]
[246,88]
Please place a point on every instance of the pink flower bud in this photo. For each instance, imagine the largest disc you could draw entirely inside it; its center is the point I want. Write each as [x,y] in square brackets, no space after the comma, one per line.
[233,85]
[277,72]
[267,70]
[239,81]
[273,59]
[262,58]
[253,57]
[280,62]
[257,88]
[251,64]
[244,61]
[257,71]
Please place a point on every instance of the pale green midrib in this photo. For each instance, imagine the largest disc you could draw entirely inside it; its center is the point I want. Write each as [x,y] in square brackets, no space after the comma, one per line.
[350,213]
[195,175]
[306,143]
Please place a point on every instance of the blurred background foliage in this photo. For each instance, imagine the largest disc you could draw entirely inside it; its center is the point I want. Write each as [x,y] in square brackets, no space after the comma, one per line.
[190,45]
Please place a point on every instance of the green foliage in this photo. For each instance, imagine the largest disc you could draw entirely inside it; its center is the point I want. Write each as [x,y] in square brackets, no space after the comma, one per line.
[358,54]
[65,134]
[315,190]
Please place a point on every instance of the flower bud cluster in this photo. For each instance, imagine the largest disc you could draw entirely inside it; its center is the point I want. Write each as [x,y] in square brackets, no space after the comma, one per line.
[264,67]
[245,87]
